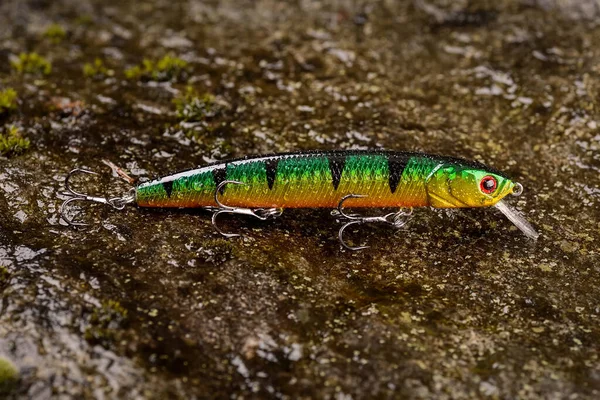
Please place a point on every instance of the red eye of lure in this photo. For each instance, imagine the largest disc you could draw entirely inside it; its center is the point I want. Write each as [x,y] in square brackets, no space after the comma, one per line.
[488,184]
[263,186]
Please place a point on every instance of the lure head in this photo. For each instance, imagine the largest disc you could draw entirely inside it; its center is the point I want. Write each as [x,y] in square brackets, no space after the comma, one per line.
[452,186]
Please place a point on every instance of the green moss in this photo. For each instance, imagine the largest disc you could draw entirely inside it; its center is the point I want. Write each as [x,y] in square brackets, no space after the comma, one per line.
[106,324]
[55,33]
[31,63]
[84,19]
[192,107]
[133,72]
[97,69]
[4,275]
[12,142]
[9,375]
[168,68]
[8,100]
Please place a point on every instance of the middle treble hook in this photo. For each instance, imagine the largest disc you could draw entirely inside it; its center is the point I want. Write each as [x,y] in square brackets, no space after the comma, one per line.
[395,219]
[260,213]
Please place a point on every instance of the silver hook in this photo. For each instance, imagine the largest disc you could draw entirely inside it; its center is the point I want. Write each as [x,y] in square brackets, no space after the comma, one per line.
[394,219]
[117,203]
[260,213]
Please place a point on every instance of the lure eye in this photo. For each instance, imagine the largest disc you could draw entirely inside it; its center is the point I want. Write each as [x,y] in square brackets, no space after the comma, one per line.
[488,184]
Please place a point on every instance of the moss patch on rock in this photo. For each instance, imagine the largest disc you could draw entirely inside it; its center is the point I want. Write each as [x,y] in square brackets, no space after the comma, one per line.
[8,100]
[97,69]
[12,142]
[31,63]
[4,274]
[168,68]
[9,376]
[55,33]
[192,107]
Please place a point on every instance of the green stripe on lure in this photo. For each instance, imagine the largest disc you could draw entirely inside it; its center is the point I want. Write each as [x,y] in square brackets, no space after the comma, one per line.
[263,186]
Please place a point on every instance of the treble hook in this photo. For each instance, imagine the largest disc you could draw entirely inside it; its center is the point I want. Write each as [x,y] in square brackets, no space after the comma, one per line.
[260,213]
[394,219]
[117,203]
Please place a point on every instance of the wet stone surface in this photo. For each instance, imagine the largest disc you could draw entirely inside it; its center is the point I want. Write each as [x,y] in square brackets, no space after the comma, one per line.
[151,303]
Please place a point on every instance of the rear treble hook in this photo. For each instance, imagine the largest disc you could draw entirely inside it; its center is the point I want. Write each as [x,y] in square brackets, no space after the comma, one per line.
[395,219]
[117,203]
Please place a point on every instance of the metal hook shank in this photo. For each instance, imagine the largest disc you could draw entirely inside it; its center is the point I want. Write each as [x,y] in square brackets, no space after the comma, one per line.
[395,219]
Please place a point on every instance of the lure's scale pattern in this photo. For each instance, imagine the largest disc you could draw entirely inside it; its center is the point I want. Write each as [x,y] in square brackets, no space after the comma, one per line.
[311,179]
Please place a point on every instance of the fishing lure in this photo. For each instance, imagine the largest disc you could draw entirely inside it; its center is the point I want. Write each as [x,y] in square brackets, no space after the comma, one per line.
[263,186]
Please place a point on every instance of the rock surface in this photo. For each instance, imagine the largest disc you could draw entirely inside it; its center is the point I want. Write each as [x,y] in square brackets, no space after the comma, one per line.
[154,304]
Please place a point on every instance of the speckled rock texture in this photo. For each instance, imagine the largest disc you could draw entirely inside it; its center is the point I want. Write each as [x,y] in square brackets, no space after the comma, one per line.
[153,304]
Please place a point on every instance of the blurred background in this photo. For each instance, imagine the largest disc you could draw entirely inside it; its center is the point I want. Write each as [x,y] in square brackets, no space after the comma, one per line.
[154,304]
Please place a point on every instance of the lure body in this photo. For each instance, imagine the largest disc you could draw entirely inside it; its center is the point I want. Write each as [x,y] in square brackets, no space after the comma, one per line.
[263,186]
[321,179]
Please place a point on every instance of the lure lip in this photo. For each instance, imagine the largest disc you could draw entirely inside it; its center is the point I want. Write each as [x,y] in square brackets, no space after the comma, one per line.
[518,220]
[514,216]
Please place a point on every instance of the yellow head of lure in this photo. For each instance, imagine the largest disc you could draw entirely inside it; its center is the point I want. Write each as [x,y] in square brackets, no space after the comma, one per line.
[456,186]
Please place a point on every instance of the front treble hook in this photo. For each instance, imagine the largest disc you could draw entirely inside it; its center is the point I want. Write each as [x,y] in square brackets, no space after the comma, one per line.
[395,219]
[117,203]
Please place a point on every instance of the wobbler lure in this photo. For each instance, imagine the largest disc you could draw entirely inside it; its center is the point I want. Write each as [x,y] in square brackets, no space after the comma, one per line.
[263,186]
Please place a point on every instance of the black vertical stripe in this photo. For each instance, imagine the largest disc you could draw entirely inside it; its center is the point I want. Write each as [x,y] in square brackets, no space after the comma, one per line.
[219,175]
[271,169]
[396,167]
[168,186]
[336,166]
